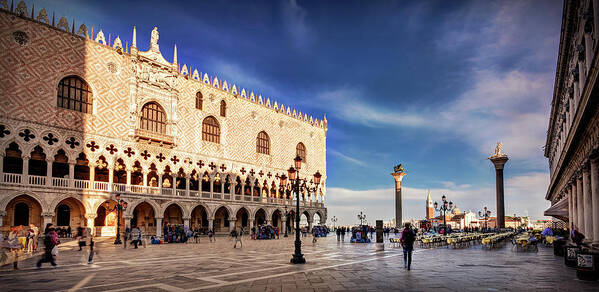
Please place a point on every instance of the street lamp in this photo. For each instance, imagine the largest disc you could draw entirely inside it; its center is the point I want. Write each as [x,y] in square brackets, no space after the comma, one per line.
[334,220]
[297,185]
[445,207]
[484,215]
[362,218]
[119,207]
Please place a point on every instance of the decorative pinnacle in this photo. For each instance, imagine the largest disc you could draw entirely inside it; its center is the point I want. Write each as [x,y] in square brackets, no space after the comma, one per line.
[134,41]
[175,55]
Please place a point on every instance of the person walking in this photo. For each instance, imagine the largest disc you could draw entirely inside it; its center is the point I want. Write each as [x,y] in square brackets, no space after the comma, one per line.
[237,237]
[14,246]
[407,241]
[51,247]
[135,236]
[314,233]
[81,237]
[211,235]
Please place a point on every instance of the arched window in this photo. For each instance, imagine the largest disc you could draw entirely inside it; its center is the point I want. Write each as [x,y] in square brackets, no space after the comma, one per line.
[199,100]
[223,108]
[263,143]
[153,118]
[300,150]
[74,94]
[210,130]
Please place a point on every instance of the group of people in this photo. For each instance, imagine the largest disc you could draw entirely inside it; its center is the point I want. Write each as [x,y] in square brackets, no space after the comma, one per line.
[265,232]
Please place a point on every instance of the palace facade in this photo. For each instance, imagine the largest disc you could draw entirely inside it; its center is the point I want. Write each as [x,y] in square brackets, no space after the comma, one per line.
[573,135]
[84,117]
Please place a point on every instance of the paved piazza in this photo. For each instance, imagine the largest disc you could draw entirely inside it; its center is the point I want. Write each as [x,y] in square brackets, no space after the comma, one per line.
[263,266]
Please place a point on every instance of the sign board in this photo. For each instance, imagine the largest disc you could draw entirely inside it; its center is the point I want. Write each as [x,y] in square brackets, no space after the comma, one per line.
[585,261]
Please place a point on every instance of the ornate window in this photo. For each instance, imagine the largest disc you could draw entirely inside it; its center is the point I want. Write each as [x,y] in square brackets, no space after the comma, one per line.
[223,108]
[300,150]
[210,130]
[74,94]
[153,118]
[199,100]
[263,143]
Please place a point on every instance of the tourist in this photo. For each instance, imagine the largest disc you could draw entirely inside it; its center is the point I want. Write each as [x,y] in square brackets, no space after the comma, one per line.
[69,230]
[211,235]
[30,239]
[51,247]
[577,237]
[90,259]
[135,236]
[343,234]
[314,235]
[407,241]
[36,232]
[13,245]
[81,237]
[126,236]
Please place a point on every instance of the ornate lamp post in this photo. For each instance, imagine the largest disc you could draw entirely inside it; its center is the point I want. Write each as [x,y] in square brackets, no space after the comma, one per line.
[362,218]
[296,186]
[334,220]
[119,207]
[445,207]
[285,224]
[484,215]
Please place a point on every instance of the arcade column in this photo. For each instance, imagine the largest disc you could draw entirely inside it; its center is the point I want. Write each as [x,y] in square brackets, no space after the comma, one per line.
[499,162]
[398,176]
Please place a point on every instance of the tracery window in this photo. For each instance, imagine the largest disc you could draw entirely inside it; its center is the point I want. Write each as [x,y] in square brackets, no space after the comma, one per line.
[300,150]
[74,94]
[210,130]
[223,108]
[199,100]
[263,143]
[153,118]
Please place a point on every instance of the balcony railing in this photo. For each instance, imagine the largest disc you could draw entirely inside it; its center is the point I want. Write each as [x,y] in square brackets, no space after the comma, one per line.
[36,180]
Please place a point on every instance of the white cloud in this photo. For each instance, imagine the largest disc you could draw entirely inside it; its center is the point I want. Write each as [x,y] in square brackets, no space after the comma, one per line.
[347,158]
[294,20]
[524,195]
[241,77]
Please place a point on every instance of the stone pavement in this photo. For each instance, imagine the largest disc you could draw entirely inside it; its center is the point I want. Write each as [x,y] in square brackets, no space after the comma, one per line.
[264,266]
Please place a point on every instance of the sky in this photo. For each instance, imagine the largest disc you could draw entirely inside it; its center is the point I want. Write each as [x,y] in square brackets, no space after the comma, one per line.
[433,85]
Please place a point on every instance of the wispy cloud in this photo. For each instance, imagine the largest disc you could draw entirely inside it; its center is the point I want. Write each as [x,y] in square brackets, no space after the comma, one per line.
[347,158]
[294,20]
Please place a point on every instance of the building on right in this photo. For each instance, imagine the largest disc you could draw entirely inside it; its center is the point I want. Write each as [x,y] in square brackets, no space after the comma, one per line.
[573,134]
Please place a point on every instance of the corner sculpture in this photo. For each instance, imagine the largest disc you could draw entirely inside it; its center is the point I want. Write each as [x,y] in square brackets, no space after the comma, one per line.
[499,159]
[398,173]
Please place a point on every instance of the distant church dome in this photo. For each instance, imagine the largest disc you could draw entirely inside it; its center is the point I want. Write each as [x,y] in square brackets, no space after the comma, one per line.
[456,210]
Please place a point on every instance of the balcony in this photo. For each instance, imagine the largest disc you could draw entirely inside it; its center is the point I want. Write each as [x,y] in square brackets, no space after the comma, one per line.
[15,179]
[154,137]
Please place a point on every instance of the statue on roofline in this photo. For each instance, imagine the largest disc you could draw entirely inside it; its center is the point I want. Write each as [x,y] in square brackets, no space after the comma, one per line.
[154,39]
[399,168]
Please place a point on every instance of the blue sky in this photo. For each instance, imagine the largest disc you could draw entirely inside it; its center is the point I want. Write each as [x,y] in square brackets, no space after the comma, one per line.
[431,84]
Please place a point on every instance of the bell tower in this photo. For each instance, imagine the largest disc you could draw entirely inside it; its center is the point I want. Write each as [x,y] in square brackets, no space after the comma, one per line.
[429,206]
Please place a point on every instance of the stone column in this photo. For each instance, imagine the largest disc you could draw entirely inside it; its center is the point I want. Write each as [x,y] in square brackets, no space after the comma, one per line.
[579,203]
[145,177]
[310,224]
[72,174]
[49,171]
[210,223]
[574,201]
[174,181]
[283,224]
[186,221]
[595,197]
[187,182]
[250,223]
[570,206]
[1,166]
[25,170]
[110,178]
[499,162]
[160,183]
[587,202]
[127,218]
[211,186]
[90,222]
[159,227]
[128,170]
[47,218]
[398,176]
[232,224]
[2,214]
[242,190]
[92,175]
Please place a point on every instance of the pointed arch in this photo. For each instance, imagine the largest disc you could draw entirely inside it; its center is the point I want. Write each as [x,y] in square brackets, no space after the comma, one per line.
[223,108]
[263,143]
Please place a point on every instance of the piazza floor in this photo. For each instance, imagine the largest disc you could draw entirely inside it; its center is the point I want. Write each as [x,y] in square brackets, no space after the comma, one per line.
[264,266]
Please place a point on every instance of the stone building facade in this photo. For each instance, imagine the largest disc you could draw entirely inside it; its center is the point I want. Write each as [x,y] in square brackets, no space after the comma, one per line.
[573,135]
[84,117]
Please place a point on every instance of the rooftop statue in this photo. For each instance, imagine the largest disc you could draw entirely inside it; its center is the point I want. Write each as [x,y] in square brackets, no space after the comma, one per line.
[399,168]
[154,40]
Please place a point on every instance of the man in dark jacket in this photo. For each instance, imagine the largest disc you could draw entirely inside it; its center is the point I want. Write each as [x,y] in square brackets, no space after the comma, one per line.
[408,236]
[50,241]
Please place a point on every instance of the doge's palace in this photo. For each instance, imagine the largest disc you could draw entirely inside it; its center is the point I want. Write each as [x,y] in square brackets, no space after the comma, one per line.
[85,115]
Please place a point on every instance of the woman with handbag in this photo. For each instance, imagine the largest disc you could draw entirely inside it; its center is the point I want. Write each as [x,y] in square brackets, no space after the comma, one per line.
[51,247]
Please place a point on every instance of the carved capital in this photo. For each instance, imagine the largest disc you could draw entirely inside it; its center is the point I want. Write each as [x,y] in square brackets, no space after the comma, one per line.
[91,216]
